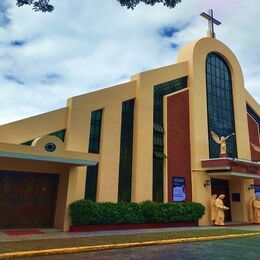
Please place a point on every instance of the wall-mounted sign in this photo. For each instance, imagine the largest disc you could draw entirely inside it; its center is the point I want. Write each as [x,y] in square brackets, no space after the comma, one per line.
[257,190]
[179,189]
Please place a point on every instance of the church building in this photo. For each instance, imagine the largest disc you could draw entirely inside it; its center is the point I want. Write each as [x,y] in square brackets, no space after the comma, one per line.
[151,138]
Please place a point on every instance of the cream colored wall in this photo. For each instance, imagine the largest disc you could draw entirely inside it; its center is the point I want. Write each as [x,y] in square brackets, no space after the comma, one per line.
[38,149]
[195,54]
[30,128]
[62,194]
[201,194]
[78,130]
[240,209]
[246,194]
[107,189]
[11,164]
[143,127]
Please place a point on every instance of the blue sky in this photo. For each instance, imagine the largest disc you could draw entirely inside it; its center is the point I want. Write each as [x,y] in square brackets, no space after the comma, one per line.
[91,44]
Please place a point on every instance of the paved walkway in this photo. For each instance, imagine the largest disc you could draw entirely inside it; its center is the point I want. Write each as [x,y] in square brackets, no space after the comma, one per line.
[55,233]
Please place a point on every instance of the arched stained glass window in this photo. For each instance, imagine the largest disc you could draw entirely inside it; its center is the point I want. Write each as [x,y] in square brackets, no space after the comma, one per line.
[220,104]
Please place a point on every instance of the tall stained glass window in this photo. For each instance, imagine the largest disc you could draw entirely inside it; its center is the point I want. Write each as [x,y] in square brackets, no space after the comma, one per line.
[220,104]
[95,130]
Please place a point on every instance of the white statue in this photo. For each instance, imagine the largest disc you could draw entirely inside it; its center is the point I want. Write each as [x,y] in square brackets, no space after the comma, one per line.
[222,141]
[220,208]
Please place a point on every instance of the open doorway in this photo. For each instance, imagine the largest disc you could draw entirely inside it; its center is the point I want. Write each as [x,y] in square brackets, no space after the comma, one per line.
[219,186]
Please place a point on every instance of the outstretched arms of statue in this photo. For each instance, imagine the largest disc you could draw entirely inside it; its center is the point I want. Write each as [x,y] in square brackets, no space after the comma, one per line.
[229,135]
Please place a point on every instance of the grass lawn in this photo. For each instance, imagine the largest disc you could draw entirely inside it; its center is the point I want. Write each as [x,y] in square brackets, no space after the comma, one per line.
[15,246]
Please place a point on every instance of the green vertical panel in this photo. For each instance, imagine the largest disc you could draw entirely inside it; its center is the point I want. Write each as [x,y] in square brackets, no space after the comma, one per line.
[158,132]
[91,183]
[95,130]
[126,151]
[158,179]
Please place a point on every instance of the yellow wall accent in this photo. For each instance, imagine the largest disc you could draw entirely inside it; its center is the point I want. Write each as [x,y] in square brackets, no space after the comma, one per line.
[78,129]
[195,54]
[30,128]
[143,127]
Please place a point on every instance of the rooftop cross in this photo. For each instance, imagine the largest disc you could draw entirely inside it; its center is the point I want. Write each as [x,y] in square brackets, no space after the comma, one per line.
[211,21]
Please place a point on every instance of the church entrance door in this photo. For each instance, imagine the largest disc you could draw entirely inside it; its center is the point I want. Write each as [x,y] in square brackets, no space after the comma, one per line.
[219,187]
[27,199]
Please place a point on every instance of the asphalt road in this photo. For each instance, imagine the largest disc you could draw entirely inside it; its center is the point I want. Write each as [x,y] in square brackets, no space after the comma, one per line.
[237,249]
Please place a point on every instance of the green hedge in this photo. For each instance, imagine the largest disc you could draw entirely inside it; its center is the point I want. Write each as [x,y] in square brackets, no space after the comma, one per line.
[86,212]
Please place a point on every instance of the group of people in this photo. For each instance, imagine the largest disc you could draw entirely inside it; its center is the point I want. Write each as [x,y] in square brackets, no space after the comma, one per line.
[218,209]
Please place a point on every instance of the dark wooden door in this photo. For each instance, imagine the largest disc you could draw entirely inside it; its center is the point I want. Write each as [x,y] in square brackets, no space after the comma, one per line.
[27,199]
[222,187]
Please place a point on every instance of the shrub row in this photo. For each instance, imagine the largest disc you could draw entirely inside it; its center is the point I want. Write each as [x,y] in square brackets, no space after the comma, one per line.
[86,212]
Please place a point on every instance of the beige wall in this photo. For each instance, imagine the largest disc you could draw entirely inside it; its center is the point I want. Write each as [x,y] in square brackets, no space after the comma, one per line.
[195,54]
[143,127]
[30,128]
[78,130]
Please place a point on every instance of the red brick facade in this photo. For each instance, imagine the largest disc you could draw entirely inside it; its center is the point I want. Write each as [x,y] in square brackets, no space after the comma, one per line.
[253,138]
[178,141]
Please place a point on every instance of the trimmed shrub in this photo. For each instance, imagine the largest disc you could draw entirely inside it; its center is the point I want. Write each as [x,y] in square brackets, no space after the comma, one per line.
[86,212]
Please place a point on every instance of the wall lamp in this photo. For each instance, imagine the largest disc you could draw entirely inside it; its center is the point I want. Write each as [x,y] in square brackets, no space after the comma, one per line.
[206,183]
[251,187]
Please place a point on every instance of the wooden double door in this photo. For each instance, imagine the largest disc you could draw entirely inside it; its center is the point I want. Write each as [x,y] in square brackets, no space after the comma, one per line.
[27,199]
[219,187]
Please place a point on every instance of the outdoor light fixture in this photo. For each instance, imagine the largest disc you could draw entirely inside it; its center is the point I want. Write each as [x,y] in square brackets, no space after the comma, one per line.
[251,187]
[206,183]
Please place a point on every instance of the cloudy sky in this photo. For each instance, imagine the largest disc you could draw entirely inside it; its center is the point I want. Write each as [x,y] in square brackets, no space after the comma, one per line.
[86,45]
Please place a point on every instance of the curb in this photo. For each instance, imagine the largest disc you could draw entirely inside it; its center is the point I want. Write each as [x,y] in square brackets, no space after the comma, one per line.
[80,249]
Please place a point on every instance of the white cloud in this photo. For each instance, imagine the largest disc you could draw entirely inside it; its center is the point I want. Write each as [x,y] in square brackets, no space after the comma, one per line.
[91,44]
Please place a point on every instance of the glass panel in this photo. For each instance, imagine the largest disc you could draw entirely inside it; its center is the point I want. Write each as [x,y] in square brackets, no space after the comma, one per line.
[95,130]
[220,105]
[91,182]
[126,151]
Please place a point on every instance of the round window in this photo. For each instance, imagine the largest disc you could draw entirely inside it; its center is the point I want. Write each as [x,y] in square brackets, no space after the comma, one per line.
[50,147]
